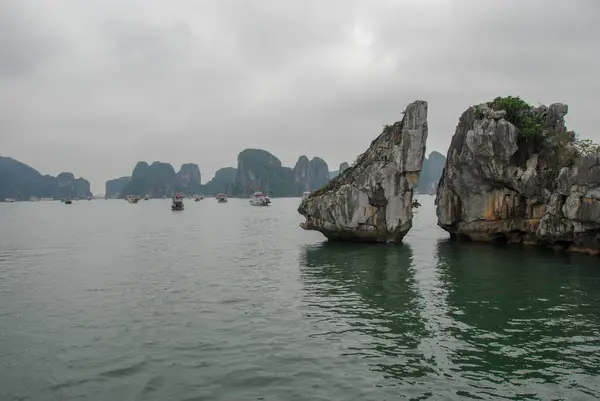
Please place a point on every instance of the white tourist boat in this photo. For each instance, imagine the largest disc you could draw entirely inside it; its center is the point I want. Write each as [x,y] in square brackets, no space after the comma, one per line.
[221,198]
[259,199]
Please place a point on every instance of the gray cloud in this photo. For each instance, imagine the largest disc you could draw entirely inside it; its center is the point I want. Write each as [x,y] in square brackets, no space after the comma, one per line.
[95,86]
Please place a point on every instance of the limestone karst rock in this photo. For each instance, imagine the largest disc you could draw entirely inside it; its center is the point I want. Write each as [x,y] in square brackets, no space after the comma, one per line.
[502,182]
[371,201]
[311,175]
[113,188]
[21,182]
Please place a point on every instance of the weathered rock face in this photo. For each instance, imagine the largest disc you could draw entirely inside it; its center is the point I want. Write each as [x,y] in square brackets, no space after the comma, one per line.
[188,180]
[371,201]
[69,186]
[259,168]
[113,188]
[311,174]
[222,182]
[156,180]
[497,187]
[343,167]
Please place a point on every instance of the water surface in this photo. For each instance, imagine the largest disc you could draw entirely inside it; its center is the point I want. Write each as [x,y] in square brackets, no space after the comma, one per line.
[104,300]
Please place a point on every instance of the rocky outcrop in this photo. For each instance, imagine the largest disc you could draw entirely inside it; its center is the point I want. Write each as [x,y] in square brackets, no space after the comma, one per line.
[343,167]
[222,182]
[310,175]
[69,186]
[188,180]
[113,188]
[371,201]
[156,180]
[20,181]
[258,168]
[501,182]
[433,165]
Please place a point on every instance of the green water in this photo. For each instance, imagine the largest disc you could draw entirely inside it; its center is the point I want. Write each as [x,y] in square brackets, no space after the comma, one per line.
[104,300]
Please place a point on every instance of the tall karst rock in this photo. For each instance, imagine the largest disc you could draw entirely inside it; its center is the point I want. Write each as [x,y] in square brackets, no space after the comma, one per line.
[155,180]
[113,188]
[258,168]
[311,175]
[514,173]
[371,201]
[188,180]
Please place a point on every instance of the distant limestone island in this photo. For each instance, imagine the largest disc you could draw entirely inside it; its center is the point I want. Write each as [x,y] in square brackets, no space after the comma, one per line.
[20,182]
[256,168]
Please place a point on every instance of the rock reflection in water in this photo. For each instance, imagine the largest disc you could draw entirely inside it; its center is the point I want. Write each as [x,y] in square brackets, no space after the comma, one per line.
[525,320]
[368,294]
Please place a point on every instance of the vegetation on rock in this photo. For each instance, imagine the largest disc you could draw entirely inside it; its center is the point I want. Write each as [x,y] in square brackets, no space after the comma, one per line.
[521,114]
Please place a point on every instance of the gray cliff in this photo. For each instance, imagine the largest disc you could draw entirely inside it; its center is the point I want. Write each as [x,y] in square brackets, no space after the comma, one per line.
[500,184]
[371,201]
[113,188]
[311,175]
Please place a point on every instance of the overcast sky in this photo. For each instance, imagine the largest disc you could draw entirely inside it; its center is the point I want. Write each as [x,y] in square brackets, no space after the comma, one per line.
[92,87]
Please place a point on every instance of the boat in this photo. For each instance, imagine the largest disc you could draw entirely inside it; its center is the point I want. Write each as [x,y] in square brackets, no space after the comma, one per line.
[34,199]
[146,197]
[221,198]
[9,200]
[68,201]
[259,199]
[305,195]
[177,202]
[416,204]
[132,198]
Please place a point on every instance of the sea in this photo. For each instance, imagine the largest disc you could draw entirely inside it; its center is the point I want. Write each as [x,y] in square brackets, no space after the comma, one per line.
[106,300]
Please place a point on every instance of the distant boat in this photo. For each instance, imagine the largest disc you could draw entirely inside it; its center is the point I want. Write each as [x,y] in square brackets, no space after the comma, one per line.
[34,199]
[259,199]
[68,201]
[177,202]
[221,198]
[416,204]
[9,200]
[132,198]
[146,197]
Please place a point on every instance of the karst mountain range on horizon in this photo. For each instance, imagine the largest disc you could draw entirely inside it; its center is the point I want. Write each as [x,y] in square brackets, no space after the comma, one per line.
[255,168]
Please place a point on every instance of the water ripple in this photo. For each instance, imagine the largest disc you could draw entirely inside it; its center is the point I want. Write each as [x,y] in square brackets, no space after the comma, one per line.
[141,303]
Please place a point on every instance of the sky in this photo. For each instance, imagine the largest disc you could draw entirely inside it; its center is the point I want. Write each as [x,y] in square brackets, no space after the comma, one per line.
[93,87]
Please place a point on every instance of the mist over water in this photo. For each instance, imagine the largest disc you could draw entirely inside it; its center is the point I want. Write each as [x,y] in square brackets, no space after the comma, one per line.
[109,300]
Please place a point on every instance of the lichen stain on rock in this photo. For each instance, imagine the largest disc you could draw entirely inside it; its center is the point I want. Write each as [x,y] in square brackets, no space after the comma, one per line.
[371,201]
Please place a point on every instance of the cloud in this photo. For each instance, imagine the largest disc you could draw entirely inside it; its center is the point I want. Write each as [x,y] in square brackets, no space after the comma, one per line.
[94,86]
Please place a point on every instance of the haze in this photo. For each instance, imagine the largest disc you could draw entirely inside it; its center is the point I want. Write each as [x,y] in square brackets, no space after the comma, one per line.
[92,87]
